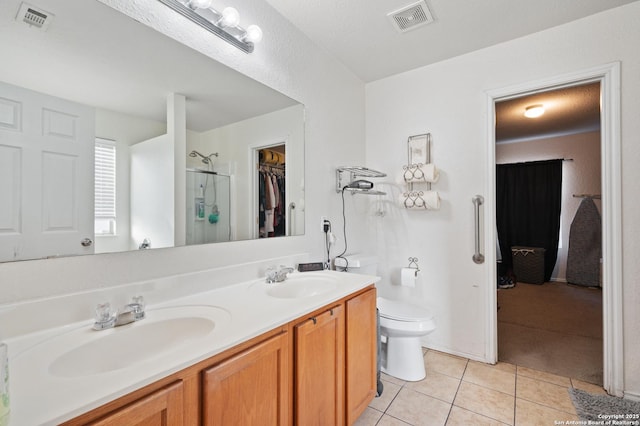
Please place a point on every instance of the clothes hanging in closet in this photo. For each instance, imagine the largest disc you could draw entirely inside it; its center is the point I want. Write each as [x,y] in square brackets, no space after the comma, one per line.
[271,209]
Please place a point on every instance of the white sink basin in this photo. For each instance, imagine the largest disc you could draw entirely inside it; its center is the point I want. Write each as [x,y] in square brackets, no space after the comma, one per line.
[86,352]
[299,285]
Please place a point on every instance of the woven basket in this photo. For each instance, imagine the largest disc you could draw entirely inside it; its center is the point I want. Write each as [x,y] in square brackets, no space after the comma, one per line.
[528,264]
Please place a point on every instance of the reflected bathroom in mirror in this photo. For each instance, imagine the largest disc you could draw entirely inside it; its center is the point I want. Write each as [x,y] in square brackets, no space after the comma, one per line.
[114,137]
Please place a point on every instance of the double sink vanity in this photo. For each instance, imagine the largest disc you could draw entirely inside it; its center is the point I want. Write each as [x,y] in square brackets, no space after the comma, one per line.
[299,351]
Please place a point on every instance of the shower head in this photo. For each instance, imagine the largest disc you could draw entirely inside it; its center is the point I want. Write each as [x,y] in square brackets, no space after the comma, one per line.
[206,159]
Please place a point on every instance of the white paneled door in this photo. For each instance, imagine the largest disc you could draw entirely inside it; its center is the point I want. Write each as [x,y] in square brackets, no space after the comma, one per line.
[46,175]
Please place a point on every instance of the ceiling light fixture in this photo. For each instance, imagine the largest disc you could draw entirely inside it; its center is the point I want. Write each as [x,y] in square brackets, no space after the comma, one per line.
[534,111]
[225,24]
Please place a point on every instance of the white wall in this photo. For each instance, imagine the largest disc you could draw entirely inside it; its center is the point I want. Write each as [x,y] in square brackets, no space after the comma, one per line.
[334,132]
[152,201]
[450,100]
[580,176]
[126,130]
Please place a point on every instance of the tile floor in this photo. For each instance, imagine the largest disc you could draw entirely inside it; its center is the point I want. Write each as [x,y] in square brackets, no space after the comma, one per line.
[458,391]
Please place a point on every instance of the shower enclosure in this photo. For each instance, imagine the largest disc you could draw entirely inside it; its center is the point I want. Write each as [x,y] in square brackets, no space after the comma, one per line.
[208,207]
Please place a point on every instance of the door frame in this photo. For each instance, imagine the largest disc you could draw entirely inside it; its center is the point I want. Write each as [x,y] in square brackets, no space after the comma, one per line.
[610,151]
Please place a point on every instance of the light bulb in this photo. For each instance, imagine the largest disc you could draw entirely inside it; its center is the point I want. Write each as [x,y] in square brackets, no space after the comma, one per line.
[200,4]
[254,34]
[230,17]
[534,111]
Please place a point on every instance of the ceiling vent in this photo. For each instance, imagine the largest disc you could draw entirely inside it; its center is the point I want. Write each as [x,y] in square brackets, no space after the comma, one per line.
[34,16]
[411,17]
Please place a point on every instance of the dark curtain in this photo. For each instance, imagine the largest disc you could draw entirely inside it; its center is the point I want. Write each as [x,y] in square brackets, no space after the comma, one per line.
[528,201]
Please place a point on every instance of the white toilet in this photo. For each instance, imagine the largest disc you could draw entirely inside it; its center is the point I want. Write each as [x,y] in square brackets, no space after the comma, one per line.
[401,326]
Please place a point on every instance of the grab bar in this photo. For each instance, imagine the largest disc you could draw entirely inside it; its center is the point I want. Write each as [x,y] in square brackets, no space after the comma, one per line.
[292,206]
[477,202]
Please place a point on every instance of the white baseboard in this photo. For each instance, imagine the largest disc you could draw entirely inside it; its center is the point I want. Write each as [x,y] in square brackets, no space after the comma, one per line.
[632,396]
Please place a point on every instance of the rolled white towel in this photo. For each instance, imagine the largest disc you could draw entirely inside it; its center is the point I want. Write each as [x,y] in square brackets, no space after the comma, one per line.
[420,173]
[429,200]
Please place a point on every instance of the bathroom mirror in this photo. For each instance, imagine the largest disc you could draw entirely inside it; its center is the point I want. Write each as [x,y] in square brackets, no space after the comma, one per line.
[76,75]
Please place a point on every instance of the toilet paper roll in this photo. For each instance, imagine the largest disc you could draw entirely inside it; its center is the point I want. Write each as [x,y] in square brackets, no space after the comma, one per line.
[408,277]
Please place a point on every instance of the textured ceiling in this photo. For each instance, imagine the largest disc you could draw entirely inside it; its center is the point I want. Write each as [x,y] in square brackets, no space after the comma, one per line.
[568,110]
[360,35]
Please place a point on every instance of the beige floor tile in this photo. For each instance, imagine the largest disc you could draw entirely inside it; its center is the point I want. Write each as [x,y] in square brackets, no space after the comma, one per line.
[502,366]
[544,376]
[369,417]
[418,409]
[461,417]
[445,364]
[588,387]
[545,393]
[484,401]
[490,377]
[531,414]
[387,378]
[437,385]
[391,421]
[389,392]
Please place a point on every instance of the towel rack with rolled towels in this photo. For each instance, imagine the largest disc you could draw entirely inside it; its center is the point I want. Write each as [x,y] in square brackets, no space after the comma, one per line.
[419,171]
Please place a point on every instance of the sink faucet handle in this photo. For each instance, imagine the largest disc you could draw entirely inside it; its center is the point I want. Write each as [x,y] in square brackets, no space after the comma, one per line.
[103,312]
[282,272]
[139,301]
[271,273]
[104,317]
[137,306]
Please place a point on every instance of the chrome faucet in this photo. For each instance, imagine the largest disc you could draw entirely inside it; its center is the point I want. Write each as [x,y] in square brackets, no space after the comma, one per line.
[277,275]
[131,312]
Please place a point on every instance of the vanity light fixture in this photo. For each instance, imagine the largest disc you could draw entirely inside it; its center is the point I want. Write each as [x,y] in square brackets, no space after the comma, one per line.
[225,24]
[534,111]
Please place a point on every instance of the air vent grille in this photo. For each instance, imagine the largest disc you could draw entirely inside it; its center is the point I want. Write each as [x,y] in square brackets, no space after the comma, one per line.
[411,17]
[33,16]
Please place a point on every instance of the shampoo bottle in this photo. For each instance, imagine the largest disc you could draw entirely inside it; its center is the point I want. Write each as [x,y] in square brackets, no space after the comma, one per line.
[200,204]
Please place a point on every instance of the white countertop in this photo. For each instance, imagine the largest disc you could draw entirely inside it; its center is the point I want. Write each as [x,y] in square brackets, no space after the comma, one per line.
[241,312]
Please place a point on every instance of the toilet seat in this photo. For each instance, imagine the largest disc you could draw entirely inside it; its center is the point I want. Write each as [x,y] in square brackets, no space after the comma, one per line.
[400,311]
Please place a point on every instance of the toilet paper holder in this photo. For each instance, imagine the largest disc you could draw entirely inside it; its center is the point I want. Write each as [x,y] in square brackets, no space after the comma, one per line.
[413,263]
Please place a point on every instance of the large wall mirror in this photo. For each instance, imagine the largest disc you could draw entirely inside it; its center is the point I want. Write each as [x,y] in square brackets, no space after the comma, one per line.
[114,137]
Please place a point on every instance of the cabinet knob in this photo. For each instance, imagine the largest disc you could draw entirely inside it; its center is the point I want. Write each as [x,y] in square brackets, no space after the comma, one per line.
[86,242]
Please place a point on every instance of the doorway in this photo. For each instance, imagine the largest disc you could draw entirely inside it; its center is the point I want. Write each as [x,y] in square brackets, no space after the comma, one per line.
[608,78]
[270,194]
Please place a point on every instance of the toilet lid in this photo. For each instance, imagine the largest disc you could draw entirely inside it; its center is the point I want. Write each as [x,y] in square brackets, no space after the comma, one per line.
[402,311]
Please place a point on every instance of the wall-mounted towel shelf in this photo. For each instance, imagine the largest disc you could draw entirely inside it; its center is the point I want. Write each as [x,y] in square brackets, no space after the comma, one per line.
[355,172]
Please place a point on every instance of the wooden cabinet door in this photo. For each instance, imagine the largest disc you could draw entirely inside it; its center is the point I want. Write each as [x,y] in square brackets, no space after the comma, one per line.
[250,388]
[163,407]
[361,353]
[319,369]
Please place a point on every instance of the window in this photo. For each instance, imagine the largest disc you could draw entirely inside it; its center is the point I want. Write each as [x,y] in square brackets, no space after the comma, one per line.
[105,187]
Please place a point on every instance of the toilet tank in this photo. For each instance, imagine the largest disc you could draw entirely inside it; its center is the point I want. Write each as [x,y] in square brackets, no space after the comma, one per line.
[357,263]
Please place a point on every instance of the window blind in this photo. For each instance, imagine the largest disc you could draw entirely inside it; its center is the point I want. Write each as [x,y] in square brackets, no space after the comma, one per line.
[105,186]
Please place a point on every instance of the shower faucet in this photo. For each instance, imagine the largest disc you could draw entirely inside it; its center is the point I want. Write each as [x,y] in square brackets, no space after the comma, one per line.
[206,159]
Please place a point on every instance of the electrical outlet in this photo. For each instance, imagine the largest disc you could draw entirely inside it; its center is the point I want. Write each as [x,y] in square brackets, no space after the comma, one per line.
[323,219]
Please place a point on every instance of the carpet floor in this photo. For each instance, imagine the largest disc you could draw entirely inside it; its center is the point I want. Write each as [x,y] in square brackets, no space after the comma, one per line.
[553,327]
